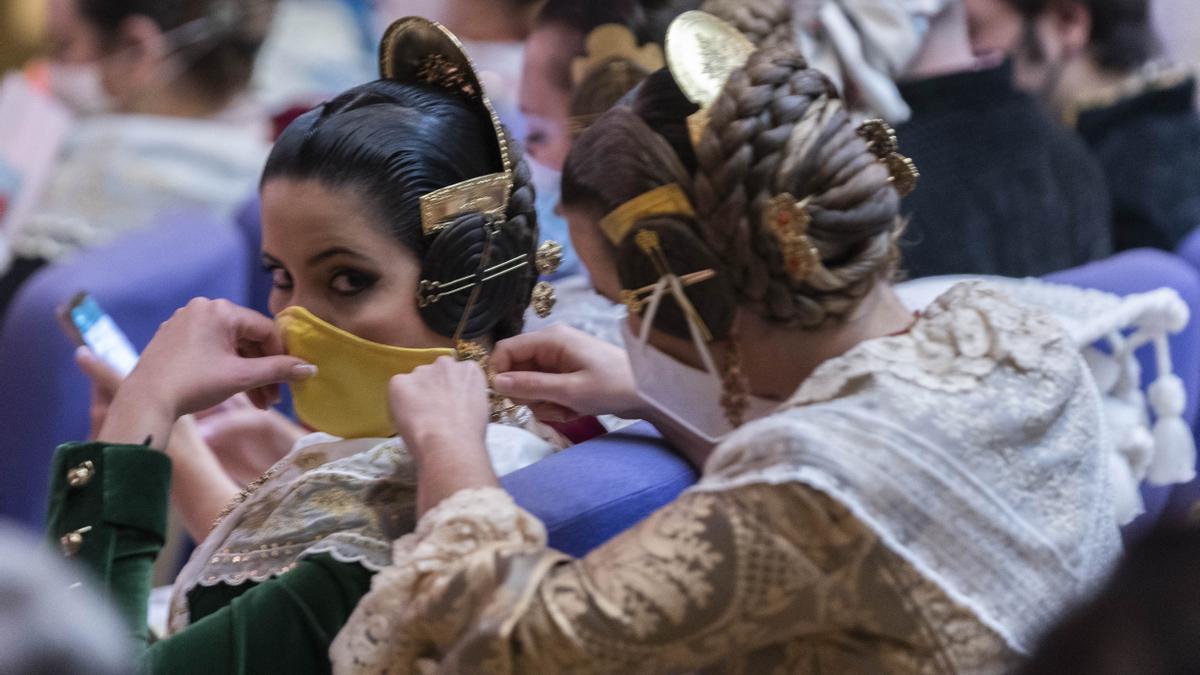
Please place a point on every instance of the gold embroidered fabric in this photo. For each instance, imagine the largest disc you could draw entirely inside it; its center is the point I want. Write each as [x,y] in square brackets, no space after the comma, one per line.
[757,580]
[349,499]
[925,503]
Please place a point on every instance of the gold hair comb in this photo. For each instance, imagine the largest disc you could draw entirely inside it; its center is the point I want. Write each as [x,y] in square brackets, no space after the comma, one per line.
[882,142]
[423,51]
[666,200]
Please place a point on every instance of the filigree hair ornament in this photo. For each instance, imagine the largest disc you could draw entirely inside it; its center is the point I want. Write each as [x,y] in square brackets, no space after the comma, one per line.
[882,142]
[788,220]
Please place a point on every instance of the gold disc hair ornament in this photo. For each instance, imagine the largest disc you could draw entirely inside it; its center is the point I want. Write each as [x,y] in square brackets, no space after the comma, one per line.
[702,52]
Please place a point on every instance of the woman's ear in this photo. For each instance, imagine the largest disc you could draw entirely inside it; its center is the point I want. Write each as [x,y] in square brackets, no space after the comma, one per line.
[134,67]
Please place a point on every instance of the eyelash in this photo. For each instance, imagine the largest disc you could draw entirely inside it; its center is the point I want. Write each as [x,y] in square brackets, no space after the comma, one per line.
[362,280]
[365,281]
[272,270]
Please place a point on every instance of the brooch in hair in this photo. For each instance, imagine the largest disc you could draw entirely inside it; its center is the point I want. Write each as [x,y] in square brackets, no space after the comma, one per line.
[789,220]
[881,141]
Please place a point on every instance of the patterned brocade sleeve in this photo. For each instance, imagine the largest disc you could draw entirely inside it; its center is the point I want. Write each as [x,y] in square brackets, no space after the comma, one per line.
[475,589]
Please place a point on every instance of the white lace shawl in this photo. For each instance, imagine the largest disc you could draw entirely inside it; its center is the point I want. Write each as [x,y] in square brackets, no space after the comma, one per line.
[974,446]
[1109,330]
[346,498]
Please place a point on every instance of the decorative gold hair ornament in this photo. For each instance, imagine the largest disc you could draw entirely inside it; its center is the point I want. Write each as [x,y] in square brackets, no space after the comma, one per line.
[422,51]
[614,44]
[666,200]
[651,244]
[788,219]
[702,52]
[881,140]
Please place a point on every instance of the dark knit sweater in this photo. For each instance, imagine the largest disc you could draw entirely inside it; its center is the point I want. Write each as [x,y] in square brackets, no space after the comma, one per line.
[1149,146]
[1004,189]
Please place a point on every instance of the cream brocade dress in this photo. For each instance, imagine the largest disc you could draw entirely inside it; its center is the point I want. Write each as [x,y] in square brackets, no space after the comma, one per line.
[926,503]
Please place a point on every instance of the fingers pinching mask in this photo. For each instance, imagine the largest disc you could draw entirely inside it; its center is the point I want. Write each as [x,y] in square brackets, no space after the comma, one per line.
[349,395]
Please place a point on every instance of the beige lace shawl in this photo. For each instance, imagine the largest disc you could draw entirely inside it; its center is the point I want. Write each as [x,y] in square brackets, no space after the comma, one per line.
[346,498]
[927,503]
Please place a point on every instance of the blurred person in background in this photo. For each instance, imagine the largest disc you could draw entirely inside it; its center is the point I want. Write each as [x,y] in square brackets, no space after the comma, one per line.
[52,621]
[1146,620]
[159,85]
[1178,22]
[1004,189]
[1096,63]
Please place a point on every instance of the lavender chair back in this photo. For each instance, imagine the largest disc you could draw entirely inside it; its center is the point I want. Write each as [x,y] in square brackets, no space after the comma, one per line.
[140,280]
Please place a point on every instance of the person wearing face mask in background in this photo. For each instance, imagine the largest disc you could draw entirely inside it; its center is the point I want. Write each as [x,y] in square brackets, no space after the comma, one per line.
[1097,64]
[581,60]
[381,210]
[164,124]
[887,511]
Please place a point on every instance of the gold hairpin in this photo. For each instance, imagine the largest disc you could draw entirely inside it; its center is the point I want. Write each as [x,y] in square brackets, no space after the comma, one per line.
[788,220]
[634,300]
[882,142]
[667,200]
[651,244]
[431,292]
[702,52]
[614,43]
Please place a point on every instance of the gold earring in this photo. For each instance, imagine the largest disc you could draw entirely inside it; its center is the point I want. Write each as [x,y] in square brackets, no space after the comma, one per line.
[549,257]
[734,389]
[543,299]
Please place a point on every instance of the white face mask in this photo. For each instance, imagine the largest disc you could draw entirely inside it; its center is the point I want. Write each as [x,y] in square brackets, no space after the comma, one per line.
[79,86]
[551,225]
[689,397]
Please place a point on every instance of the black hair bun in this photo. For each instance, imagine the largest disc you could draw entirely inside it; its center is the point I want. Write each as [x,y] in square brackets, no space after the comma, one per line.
[457,252]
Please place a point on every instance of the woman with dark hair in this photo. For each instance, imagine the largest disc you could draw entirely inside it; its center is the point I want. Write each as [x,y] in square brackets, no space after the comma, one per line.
[884,506]
[163,125]
[399,228]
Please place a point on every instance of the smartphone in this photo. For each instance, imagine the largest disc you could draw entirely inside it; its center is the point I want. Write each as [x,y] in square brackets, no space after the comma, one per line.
[88,325]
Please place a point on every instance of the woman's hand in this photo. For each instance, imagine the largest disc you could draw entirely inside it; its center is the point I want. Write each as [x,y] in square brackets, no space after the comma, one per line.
[446,400]
[105,383]
[562,373]
[441,412]
[204,354]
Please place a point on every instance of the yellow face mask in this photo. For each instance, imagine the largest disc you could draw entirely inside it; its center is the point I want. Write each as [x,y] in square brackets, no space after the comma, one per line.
[349,395]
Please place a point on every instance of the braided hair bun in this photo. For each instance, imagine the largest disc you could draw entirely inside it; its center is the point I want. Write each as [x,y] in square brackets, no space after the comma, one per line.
[780,128]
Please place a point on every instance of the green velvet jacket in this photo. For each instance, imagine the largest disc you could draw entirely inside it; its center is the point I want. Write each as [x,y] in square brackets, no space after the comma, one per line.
[108,509]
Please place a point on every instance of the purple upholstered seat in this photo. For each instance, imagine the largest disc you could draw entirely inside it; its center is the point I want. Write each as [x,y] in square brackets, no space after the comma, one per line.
[593,491]
[1136,272]
[140,280]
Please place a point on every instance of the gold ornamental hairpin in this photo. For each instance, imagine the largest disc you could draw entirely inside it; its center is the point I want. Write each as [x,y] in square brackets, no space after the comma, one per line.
[702,52]
[667,200]
[611,44]
[789,219]
[881,140]
[421,51]
[649,242]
